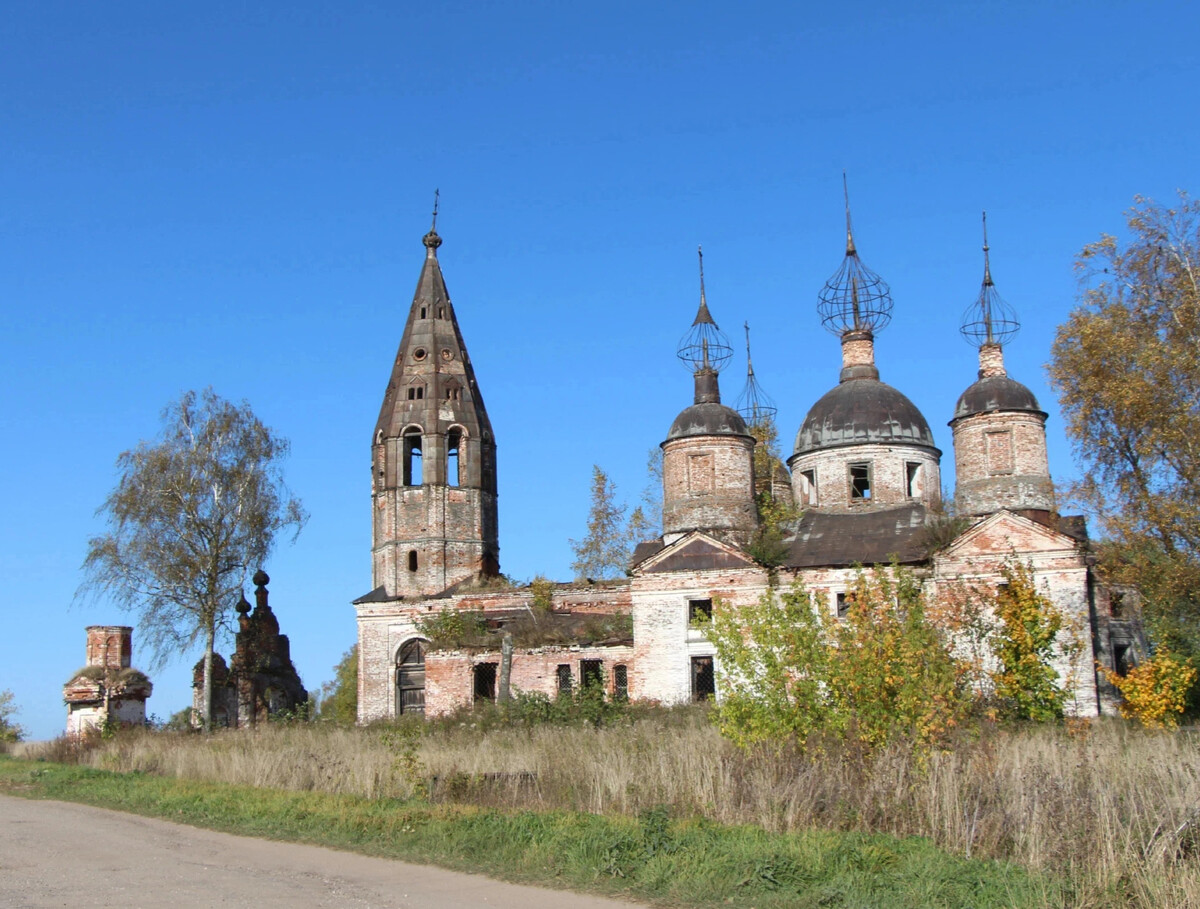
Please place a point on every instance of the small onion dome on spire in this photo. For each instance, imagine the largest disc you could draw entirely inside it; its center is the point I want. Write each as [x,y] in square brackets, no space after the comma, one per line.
[705,347]
[753,403]
[431,240]
[855,298]
[989,321]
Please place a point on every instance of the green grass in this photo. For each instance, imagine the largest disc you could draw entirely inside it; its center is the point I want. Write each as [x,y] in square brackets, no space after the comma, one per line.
[653,858]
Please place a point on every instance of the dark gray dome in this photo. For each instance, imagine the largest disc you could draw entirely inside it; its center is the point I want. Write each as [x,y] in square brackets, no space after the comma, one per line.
[995,393]
[861,411]
[708,419]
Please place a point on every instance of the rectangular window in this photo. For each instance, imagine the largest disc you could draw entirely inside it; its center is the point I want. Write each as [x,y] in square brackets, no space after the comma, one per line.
[564,677]
[699,611]
[808,487]
[860,482]
[999,452]
[704,682]
[591,672]
[843,605]
[913,479]
[621,683]
[700,474]
[485,682]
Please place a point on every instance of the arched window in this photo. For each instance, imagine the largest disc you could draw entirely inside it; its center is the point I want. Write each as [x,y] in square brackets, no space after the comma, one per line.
[453,459]
[412,458]
[410,678]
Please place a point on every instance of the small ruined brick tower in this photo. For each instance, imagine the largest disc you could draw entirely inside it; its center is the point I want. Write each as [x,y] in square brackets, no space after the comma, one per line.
[433,456]
[107,688]
[999,429]
[863,445]
[708,472]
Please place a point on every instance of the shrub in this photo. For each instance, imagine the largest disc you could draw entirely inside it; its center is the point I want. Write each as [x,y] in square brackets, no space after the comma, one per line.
[1155,692]
[1024,644]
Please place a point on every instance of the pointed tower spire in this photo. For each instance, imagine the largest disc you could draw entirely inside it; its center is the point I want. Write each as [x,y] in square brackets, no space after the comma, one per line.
[704,349]
[850,249]
[753,403]
[434,476]
[989,322]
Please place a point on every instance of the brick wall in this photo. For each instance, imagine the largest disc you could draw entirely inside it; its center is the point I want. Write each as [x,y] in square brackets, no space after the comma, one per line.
[889,476]
[1000,462]
[708,484]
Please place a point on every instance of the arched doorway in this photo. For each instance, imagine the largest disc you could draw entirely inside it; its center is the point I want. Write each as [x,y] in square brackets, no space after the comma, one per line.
[410,678]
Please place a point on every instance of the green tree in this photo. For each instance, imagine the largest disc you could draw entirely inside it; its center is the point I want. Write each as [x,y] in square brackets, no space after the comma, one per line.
[10,730]
[604,551]
[1026,641]
[1126,365]
[192,514]
[773,667]
[776,515]
[788,671]
[891,671]
[339,697]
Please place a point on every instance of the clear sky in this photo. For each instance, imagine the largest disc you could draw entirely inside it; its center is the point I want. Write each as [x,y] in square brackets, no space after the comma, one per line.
[234,195]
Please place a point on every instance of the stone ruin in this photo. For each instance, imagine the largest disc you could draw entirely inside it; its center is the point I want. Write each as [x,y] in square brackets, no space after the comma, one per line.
[259,681]
[107,689]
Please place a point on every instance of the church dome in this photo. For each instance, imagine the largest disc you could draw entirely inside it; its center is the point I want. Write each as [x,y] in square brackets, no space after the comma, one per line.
[862,411]
[995,393]
[708,419]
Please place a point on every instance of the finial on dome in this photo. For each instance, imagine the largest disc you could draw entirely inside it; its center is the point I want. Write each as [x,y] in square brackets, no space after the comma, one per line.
[855,299]
[704,347]
[850,250]
[989,322]
[753,403]
[431,240]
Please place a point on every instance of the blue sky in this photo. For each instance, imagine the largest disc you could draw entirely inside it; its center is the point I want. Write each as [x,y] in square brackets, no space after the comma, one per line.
[234,195]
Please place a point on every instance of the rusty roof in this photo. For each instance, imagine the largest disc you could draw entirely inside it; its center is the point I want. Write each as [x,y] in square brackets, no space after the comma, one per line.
[868,537]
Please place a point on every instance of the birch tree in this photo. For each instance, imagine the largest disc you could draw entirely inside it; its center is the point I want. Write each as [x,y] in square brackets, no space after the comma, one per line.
[193,513]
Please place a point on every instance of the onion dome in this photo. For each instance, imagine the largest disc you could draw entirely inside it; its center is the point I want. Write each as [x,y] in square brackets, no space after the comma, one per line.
[704,349]
[996,393]
[863,411]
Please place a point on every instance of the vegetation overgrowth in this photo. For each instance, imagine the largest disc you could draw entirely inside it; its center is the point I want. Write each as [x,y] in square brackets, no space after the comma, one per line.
[1106,810]
[654,856]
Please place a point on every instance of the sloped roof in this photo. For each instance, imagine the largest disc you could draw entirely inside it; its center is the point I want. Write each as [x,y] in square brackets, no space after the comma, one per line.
[868,537]
[695,553]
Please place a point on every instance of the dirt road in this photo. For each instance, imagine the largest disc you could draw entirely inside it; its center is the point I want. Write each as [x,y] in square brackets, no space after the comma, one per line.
[55,854]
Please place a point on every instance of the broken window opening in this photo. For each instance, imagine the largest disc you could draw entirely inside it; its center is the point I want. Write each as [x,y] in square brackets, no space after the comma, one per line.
[912,474]
[699,611]
[453,447]
[591,672]
[704,683]
[441,312]
[860,482]
[412,560]
[422,312]
[808,487]
[843,605]
[564,678]
[485,682]
[1121,661]
[412,459]
[410,678]
[621,682]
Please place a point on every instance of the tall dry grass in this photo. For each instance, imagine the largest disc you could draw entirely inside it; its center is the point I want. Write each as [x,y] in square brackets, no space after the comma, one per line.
[1112,809]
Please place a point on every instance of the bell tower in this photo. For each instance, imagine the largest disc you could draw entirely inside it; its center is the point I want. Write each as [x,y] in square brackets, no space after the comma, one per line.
[433,455]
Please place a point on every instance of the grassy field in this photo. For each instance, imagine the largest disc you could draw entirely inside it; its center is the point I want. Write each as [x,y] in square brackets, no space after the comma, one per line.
[662,808]
[652,857]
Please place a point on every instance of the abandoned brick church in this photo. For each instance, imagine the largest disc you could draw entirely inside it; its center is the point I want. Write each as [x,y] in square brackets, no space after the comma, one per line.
[864,475]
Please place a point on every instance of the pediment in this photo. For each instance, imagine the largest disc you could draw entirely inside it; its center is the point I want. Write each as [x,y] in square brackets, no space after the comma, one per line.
[1005,532]
[695,552]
